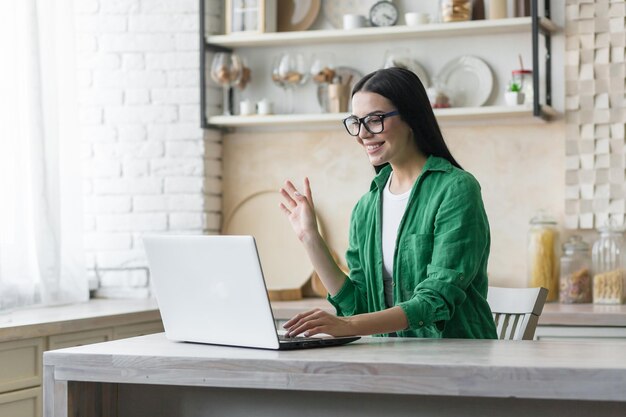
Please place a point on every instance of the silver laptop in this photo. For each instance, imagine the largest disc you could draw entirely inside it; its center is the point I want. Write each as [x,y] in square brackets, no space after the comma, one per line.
[210,289]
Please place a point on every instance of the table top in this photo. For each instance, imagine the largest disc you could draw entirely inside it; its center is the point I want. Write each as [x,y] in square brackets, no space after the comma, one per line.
[554,314]
[42,321]
[594,370]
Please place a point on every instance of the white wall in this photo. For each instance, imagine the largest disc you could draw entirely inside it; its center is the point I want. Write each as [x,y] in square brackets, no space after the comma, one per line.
[148,166]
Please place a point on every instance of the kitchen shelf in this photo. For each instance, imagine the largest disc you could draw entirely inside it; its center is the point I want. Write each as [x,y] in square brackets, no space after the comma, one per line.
[534,25]
[450,115]
[477,27]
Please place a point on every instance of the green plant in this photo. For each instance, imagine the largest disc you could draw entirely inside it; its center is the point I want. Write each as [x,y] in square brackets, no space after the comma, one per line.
[515,87]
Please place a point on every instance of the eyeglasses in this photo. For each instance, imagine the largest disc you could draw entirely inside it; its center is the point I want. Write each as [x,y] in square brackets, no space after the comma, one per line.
[374,123]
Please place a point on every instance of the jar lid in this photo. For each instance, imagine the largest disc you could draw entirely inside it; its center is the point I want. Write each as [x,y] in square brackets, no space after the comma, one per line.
[576,243]
[541,217]
[611,226]
[521,71]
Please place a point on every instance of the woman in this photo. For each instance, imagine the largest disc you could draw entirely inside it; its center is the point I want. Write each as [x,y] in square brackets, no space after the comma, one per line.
[419,239]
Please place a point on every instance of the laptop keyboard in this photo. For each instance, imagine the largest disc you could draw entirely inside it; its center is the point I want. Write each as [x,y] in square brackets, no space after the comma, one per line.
[284,338]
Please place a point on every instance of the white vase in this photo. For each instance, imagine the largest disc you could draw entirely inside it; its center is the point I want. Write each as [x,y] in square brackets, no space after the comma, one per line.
[513,98]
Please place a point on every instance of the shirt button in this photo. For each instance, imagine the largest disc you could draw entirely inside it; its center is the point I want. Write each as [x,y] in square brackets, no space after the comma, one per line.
[393,283]
[461,278]
[421,323]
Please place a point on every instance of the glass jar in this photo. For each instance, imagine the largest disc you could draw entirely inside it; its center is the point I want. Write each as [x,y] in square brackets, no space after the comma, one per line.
[524,78]
[543,246]
[455,10]
[609,280]
[575,281]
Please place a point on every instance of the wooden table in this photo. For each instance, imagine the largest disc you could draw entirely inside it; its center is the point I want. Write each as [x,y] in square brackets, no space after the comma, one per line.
[150,375]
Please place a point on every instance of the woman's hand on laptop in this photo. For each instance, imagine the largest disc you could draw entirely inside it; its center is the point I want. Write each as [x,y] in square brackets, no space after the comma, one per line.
[318,321]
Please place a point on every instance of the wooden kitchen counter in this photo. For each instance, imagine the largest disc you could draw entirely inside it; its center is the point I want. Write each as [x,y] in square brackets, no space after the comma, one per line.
[45,321]
[150,375]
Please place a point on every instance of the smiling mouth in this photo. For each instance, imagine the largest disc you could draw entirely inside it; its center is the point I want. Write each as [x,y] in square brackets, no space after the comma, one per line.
[373,147]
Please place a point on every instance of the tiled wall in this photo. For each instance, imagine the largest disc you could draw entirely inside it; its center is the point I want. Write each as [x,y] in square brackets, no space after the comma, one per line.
[595,115]
[149,168]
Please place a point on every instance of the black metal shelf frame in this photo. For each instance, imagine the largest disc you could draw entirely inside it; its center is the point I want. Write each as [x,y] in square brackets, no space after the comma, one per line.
[537,29]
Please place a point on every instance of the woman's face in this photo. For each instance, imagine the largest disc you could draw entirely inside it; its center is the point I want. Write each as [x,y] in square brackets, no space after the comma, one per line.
[395,143]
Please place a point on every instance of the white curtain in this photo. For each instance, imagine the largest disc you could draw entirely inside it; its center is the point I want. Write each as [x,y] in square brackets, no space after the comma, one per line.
[41,254]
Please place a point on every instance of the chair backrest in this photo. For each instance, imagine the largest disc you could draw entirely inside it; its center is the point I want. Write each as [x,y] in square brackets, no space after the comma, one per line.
[516,311]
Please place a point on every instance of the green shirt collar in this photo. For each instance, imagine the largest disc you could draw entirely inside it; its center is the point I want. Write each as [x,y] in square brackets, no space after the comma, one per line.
[433,163]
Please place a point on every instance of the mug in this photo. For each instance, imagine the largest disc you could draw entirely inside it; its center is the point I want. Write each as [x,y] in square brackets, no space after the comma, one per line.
[338,98]
[264,107]
[246,108]
[353,21]
[416,19]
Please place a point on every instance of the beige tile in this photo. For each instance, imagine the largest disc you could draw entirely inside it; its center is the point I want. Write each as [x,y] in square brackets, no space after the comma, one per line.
[601,101]
[572,192]
[585,220]
[617,130]
[602,147]
[586,11]
[601,219]
[571,222]
[602,55]
[587,131]
[603,40]
[616,25]
[586,191]
[617,9]
[602,131]
[601,24]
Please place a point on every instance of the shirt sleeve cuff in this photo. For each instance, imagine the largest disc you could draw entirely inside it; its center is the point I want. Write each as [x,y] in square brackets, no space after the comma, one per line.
[343,301]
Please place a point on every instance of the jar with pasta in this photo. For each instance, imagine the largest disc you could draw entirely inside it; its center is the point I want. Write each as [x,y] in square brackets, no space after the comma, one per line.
[575,281]
[609,280]
[455,10]
[543,260]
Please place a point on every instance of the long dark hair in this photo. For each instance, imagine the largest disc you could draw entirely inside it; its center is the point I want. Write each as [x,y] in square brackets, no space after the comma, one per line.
[405,90]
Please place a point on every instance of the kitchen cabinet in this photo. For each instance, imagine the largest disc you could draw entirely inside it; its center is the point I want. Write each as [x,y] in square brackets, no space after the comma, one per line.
[28,333]
[485,32]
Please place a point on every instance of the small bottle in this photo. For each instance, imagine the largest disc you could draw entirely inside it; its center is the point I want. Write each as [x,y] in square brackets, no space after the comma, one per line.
[543,246]
[498,9]
[609,280]
[524,78]
[478,9]
[522,8]
[575,281]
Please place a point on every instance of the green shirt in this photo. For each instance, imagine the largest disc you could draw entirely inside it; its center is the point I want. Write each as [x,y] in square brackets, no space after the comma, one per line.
[440,259]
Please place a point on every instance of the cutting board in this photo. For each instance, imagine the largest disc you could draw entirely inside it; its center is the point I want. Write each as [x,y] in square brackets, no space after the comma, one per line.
[286,266]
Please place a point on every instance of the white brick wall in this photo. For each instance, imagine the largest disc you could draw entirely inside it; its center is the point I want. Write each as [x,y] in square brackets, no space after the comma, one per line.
[148,166]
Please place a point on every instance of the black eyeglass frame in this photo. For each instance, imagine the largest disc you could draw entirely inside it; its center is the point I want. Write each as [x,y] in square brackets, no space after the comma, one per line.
[363,120]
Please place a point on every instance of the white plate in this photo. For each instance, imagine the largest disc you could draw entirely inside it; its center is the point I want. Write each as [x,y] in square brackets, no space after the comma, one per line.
[412,65]
[469,81]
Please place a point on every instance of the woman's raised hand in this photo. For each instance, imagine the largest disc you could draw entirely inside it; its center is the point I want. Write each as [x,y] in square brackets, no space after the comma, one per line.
[299,209]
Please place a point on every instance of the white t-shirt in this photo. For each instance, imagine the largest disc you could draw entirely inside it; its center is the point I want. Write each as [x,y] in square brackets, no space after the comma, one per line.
[394,206]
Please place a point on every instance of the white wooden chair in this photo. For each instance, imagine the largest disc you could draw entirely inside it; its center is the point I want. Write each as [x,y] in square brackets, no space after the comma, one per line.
[516,311]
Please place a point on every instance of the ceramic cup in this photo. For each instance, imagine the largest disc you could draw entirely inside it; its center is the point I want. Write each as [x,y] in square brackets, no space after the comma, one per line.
[246,107]
[264,107]
[416,19]
[353,21]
